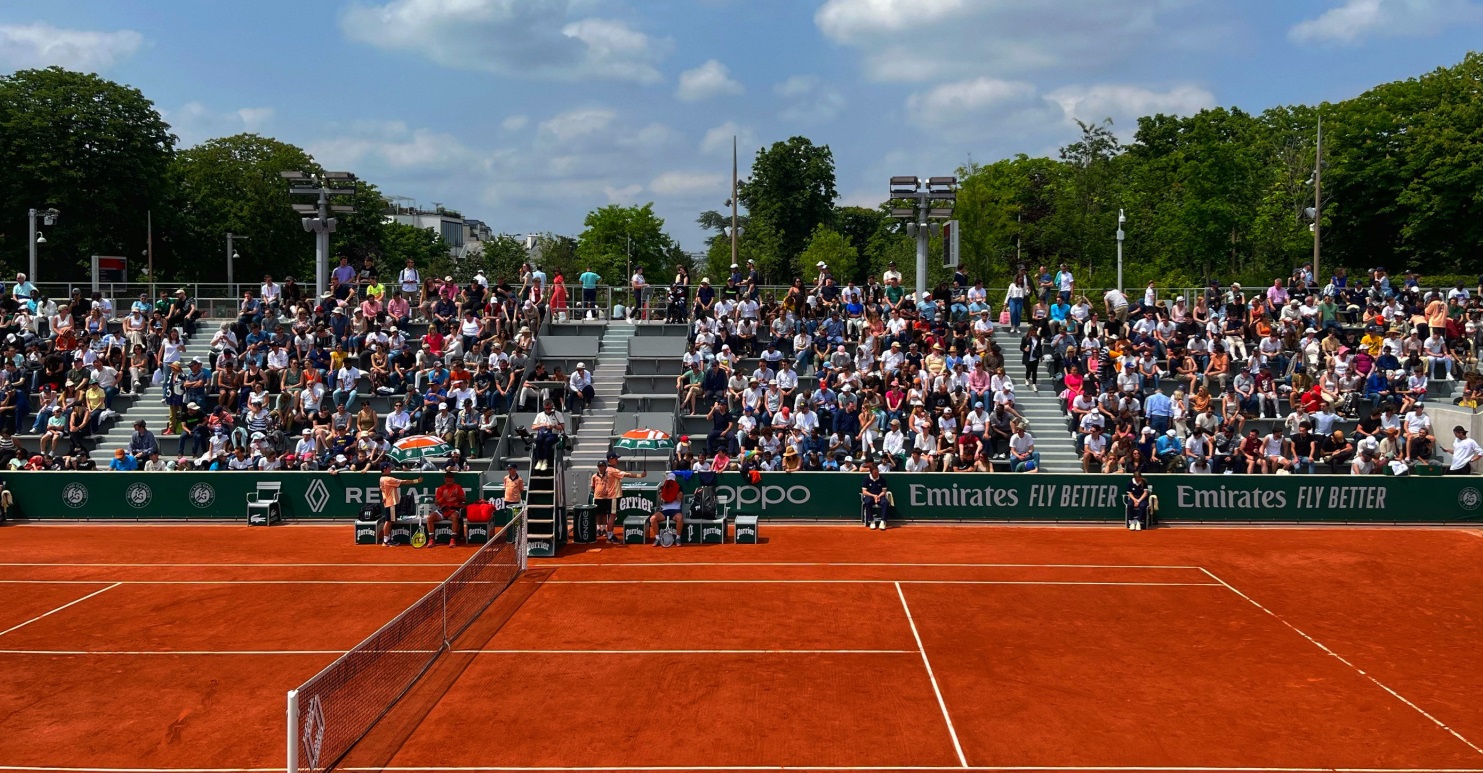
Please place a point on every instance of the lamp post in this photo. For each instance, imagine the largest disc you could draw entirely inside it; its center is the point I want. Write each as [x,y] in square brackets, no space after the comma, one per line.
[932,201]
[317,218]
[1121,220]
[231,259]
[48,217]
[733,199]
[1318,200]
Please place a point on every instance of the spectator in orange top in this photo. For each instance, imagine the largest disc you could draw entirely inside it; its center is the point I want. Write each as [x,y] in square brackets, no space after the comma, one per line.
[450,500]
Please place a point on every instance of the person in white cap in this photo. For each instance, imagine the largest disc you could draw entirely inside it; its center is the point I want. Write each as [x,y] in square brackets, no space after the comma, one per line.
[579,390]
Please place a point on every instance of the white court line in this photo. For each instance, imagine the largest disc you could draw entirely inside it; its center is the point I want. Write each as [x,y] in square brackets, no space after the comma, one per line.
[842,769]
[1341,659]
[224,582]
[465,652]
[174,652]
[59,609]
[859,563]
[935,689]
[875,582]
[411,566]
[982,768]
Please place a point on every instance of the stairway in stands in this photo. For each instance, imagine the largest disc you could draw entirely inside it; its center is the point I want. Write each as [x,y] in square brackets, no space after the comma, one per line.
[594,431]
[149,407]
[1042,409]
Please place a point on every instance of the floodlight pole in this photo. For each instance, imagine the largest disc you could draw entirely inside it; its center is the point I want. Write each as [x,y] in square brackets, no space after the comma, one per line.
[32,242]
[1318,201]
[1121,219]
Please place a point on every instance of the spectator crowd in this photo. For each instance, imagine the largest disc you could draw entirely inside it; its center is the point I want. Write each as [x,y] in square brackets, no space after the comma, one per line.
[1294,377]
[286,385]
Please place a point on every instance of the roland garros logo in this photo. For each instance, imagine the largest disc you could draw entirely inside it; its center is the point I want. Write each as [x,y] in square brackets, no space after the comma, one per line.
[202,495]
[138,495]
[74,495]
[1469,499]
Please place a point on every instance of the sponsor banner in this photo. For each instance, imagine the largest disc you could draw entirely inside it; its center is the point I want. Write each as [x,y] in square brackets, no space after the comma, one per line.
[205,495]
[1063,497]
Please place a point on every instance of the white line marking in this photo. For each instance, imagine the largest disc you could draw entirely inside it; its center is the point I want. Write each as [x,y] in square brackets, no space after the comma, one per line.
[172,652]
[746,769]
[851,563]
[1341,659]
[223,582]
[406,566]
[58,609]
[935,689]
[688,652]
[985,769]
[876,582]
[464,652]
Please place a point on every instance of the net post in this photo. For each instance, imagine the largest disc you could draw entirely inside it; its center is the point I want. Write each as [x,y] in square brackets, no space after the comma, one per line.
[446,644]
[520,541]
[292,765]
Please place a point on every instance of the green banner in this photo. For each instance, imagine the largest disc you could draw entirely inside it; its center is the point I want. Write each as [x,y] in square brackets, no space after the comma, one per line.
[1063,497]
[203,495]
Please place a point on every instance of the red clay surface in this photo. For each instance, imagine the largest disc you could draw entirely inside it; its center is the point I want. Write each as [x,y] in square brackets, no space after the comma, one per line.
[677,710]
[1164,672]
[708,617]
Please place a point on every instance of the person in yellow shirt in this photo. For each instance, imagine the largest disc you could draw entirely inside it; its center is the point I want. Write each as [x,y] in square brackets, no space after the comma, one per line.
[1372,341]
[514,487]
[96,400]
[607,483]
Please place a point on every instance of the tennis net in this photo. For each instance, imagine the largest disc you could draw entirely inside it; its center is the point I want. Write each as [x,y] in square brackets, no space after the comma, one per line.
[332,711]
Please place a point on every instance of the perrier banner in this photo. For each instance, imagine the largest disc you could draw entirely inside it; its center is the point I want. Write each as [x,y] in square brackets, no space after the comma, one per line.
[1071,497]
[203,495]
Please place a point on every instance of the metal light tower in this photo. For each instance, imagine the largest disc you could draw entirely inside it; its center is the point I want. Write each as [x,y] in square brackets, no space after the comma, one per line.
[1121,220]
[932,201]
[231,259]
[318,220]
[49,217]
[1318,201]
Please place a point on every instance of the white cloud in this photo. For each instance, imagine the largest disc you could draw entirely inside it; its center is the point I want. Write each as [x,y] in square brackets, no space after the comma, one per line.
[846,20]
[809,100]
[796,86]
[678,183]
[514,123]
[414,151]
[1354,20]
[537,38]
[195,123]
[967,96]
[25,46]
[904,40]
[1124,104]
[575,124]
[718,139]
[977,109]
[709,80]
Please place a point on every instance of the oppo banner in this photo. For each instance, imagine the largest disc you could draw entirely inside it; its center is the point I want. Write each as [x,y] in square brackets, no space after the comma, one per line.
[1052,497]
[206,495]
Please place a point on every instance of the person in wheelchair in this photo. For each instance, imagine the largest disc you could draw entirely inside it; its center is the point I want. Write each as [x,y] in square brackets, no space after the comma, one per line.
[875,500]
[670,507]
[1139,498]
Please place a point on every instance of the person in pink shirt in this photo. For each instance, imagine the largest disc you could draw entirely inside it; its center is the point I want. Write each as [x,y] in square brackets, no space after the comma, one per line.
[1277,294]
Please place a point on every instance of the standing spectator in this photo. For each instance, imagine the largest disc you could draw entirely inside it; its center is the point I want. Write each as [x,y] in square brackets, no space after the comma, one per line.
[1464,452]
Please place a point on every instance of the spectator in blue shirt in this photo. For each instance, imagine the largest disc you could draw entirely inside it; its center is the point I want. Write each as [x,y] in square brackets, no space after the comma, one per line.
[1170,449]
[1160,411]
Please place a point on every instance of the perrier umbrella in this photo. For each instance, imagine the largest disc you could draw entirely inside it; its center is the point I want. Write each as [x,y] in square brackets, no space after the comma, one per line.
[419,447]
[645,440]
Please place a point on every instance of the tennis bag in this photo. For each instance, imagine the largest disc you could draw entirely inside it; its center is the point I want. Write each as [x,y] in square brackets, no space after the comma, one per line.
[481,511]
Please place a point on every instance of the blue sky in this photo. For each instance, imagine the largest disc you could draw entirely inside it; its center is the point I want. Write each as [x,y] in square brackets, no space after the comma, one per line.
[528,113]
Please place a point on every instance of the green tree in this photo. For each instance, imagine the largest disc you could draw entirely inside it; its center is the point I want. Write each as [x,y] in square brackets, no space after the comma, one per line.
[831,248]
[558,255]
[232,184]
[792,191]
[502,258]
[614,235]
[96,150]
[427,249]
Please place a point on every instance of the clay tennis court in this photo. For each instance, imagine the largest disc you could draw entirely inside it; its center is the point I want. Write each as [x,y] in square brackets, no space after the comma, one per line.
[171,648]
